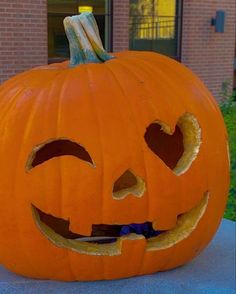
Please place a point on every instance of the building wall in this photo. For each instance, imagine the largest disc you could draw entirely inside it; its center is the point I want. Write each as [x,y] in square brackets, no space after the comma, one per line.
[23,36]
[209,54]
[120,25]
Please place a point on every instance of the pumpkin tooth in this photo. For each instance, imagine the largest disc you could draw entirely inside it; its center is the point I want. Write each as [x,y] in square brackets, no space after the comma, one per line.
[132,236]
[164,224]
[186,224]
[155,225]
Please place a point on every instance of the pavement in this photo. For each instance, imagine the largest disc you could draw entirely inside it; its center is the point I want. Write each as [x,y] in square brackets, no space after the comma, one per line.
[213,272]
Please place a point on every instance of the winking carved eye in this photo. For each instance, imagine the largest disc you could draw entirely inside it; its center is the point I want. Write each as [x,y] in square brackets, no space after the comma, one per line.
[54,148]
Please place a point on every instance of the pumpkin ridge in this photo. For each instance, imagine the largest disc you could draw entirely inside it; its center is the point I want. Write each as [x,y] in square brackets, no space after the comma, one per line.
[158,71]
[17,195]
[96,115]
[140,187]
[149,68]
[10,105]
[62,99]
[130,67]
[59,106]
[57,127]
[136,125]
[49,104]
[141,146]
[172,68]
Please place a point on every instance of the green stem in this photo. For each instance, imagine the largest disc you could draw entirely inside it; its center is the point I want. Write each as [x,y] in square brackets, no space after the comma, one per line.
[84,39]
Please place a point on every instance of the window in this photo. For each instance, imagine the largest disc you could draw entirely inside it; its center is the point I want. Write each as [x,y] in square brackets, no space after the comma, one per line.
[58,47]
[155,26]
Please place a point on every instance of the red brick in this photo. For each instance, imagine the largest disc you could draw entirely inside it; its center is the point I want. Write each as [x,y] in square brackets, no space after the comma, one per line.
[210,55]
[23,36]
[120,25]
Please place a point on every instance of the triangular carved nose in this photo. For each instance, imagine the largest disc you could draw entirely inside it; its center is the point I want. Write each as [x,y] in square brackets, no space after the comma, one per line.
[125,181]
[128,183]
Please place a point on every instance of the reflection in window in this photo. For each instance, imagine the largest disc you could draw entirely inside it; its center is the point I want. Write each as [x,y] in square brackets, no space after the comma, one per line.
[58,46]
[154,25]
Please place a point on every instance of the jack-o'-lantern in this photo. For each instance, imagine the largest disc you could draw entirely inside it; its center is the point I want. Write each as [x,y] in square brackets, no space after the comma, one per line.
[110,166]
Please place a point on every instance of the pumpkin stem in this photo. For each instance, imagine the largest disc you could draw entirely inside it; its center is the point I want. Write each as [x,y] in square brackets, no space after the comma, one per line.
[84,39]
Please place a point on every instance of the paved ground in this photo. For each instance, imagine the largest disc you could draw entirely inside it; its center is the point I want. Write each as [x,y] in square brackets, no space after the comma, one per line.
[213,272]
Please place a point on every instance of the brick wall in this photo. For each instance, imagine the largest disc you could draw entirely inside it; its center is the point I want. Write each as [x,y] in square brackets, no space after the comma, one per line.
[207,53]
[23,36]
[120,25]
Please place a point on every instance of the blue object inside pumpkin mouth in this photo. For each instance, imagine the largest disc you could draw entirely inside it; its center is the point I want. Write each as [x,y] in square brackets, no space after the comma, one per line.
[101,233]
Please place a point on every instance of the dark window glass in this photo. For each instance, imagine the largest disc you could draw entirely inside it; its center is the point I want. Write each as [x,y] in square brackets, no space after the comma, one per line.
[58,47]
[154,26]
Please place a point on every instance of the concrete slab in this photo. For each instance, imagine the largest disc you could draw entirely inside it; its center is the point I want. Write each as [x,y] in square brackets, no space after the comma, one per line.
[213,272]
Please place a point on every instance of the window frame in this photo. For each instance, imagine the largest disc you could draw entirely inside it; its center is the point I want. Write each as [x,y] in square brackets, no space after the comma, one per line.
[178,29]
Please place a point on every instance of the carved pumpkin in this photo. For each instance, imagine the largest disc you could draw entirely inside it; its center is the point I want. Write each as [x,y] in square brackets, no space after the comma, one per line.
[108,169]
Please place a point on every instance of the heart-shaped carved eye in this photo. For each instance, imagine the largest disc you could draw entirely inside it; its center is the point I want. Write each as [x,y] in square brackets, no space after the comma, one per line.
[177,149]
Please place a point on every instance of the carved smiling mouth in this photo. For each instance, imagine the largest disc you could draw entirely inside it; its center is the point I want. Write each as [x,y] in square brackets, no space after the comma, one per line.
[107,239]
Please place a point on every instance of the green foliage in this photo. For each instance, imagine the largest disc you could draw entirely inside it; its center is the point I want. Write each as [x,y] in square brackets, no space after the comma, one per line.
[228,108]
[226,91]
